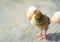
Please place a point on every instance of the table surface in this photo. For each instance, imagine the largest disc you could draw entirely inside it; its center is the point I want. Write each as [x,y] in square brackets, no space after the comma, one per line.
[13,20]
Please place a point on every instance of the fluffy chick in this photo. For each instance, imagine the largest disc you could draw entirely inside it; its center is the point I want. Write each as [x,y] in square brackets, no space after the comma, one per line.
[41,21]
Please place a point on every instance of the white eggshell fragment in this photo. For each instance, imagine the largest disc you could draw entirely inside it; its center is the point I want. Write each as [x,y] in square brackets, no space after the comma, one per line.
[30,12]
[56,17]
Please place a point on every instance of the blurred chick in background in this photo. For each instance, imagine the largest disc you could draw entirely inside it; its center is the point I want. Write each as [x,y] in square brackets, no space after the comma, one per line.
[39,20]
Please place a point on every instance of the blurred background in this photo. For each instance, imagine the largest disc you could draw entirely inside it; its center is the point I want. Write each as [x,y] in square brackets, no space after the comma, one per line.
[13,20]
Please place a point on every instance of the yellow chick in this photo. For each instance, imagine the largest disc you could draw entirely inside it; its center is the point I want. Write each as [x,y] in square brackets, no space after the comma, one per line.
[41,21]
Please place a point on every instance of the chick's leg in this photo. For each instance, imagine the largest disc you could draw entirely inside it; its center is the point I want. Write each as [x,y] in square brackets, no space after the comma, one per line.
[44,35]
[39,35]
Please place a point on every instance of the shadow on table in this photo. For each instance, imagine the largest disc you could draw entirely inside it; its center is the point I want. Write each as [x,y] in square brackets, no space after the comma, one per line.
[53,37]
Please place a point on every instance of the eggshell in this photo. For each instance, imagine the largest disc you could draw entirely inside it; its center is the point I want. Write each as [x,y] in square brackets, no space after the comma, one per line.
[30,12]
[56,17]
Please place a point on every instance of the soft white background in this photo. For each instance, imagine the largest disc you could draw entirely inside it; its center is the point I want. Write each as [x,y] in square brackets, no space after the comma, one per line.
[13,20]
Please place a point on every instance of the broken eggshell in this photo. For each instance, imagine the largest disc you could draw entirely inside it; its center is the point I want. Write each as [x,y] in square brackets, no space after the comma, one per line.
[30,12]
[56,17]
